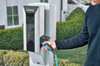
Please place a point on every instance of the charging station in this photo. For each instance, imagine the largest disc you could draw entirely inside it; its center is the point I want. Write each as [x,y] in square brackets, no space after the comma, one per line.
[39,20]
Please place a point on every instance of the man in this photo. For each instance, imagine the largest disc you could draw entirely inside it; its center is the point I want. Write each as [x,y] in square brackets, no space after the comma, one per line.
[90,35]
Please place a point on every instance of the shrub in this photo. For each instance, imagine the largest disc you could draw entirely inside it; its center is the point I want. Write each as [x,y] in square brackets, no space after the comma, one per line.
[11,39]
[71,26]
[15,57]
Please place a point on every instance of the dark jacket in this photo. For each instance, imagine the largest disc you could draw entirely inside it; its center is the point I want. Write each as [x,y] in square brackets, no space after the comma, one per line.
[90,35]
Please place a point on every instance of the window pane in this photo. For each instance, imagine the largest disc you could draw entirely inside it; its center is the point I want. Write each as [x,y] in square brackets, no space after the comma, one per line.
[16,22]
[10,20]
[12,13]
[15,10]
[9,11]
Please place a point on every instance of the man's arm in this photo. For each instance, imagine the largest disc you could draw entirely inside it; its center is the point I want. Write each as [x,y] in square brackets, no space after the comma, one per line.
[76,41]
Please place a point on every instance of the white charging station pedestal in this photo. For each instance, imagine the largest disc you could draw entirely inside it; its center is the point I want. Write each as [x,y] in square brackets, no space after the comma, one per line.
[39,19]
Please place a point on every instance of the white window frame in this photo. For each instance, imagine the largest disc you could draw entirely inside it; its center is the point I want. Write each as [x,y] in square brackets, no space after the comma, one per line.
[12,15]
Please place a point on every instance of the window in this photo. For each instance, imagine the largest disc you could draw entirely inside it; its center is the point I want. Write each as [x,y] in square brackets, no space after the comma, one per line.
[44,0]
[12,16]
[2,27]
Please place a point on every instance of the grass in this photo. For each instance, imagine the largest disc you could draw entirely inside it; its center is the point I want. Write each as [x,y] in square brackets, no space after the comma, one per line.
[77,55]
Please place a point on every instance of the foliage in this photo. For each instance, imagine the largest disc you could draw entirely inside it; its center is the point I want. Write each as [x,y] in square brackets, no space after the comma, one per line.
[13,58]
[71,26]
[11,39]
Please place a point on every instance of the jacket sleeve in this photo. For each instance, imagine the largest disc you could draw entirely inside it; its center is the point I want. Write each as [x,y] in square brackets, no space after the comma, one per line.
[76,41]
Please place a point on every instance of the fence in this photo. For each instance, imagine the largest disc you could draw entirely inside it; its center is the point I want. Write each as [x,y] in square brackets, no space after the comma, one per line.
[4,63]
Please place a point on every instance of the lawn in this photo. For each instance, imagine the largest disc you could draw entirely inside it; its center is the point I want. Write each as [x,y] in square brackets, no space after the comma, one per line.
[77,55]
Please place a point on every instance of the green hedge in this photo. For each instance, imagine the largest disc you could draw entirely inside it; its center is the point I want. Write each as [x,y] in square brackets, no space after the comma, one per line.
[71,26]
[11,39]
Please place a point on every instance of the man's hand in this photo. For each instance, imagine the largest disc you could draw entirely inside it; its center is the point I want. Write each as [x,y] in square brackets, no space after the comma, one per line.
[93,2]
[52,44]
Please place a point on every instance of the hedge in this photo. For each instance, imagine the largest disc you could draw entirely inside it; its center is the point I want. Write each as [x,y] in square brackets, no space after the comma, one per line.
[11,39]
[71,26]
